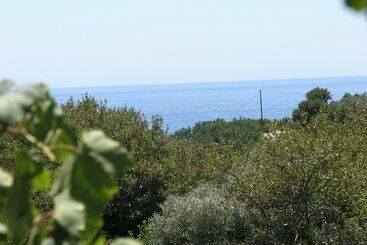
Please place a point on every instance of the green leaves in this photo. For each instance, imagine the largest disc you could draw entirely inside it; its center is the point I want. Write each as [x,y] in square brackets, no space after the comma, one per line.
[13,107]
[312,175]
[357,4]
[81,188]
[106,151]
[29,176]
[89,177]
[316,99]
[69,213]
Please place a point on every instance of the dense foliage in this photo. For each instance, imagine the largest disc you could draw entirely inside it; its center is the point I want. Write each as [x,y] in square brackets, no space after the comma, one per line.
[164,165]
[315,100]
[310,183]
[218,182]
[304,182]
[80,189]
[357,4]
[203,216]
[242,132]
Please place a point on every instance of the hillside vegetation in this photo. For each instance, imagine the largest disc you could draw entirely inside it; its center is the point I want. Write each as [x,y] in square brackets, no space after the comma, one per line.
[241,132]
[306,184]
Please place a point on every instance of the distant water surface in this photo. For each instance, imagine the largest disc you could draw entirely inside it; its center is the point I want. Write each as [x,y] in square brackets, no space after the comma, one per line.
[182,105]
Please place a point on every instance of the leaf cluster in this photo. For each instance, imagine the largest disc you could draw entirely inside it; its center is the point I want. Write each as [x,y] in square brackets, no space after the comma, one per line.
[80,188]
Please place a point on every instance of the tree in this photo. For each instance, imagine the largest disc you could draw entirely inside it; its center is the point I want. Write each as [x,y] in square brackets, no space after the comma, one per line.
[315,100]
[310,183]
[357,4]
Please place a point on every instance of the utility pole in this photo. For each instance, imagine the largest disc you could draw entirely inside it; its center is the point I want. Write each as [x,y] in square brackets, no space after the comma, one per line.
[261,106]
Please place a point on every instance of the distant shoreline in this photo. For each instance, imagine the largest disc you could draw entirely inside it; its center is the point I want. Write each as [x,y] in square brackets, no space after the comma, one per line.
[209,82]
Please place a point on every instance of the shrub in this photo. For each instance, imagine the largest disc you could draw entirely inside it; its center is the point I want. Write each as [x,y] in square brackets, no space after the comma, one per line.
[339,111]
[310,183]
[164,165]
[315,100]
[242,132]
[141,188]
[204,216]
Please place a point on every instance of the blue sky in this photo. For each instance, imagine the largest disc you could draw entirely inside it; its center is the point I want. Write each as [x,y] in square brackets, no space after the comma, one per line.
[116,42]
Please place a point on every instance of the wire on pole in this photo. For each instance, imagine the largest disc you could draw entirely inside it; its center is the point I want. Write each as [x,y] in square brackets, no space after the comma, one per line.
[261,106]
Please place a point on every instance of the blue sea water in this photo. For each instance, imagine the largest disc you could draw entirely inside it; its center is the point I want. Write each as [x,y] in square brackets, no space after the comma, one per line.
[182,105]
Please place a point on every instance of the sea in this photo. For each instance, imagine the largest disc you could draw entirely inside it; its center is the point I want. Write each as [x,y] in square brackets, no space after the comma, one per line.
[183,105]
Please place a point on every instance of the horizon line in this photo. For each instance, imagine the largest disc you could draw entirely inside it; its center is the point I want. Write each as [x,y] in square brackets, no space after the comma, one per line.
[207,82]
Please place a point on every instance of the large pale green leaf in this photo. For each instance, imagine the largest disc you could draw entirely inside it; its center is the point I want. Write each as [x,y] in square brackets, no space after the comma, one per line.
[69,213]
[6,180]
[87,183]
[13,106]
[90,176]
[63,178]
[84,184]
[47,124]
[126,241]
[94,187]
[3,232]
[37,91]
[106,151]
[42,121]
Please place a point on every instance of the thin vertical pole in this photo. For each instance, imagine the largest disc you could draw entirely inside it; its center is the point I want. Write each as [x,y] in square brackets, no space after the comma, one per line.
[261,106]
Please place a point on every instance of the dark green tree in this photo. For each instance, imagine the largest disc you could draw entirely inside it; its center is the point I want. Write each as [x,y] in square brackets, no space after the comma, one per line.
[315,100]
[357,4]
[242,132]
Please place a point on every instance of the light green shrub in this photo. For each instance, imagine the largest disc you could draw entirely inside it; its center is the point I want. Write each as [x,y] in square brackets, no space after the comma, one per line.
[204,216]
[310,182]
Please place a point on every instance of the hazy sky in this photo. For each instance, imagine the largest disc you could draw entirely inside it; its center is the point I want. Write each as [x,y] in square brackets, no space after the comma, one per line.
[95,42]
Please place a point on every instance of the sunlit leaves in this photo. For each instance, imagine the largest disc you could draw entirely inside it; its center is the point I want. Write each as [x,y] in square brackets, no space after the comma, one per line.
[83,186]
[6,180]
[90,176]
[106,151]
[13,106]
[69,213]
[312,175]
[125,241]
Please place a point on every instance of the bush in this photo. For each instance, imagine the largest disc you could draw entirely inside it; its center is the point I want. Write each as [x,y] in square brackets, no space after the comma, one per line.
[315,100]
[310,182]
[339,111]
[141,188]
[141,193]
[304,185]
[241,132]
[204,216]
[164,165]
